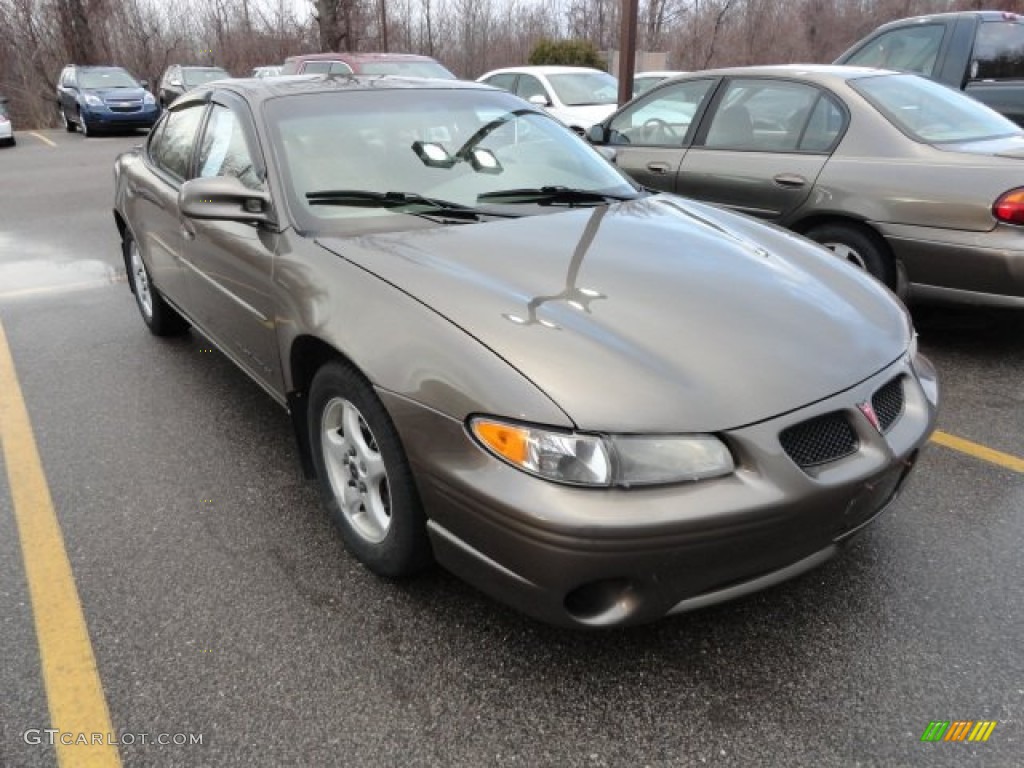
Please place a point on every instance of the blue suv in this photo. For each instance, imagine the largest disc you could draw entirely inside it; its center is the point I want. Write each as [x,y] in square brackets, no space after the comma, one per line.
[103,98]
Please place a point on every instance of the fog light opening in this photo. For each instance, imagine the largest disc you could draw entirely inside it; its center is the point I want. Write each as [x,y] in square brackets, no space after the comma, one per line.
[603,603]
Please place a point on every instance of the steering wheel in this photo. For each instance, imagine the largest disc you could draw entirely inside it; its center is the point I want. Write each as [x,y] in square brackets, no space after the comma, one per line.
[665,131]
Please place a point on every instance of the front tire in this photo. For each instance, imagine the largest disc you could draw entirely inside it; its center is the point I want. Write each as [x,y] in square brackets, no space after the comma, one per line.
[859,246]
[364,477]
[84,125]
[68,125]
[157,314]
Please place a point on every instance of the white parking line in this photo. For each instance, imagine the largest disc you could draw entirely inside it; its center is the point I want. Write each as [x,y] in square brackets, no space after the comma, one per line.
[42,138]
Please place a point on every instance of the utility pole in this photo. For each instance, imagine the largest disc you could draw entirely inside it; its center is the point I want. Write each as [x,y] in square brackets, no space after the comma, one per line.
[627,49]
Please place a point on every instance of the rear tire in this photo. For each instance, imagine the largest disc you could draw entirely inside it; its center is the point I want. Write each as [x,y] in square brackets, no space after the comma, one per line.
[157,314]
[364,476]
[859,246]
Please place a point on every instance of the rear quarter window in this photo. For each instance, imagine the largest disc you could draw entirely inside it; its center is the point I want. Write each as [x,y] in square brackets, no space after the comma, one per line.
[998,51]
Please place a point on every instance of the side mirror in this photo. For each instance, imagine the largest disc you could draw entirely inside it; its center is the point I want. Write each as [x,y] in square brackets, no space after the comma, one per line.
[597,134]
[144,83]
[224,198]
[176,83]
[539,100]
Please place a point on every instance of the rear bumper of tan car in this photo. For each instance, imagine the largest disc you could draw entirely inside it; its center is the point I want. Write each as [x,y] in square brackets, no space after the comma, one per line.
[973,267]
[600,558]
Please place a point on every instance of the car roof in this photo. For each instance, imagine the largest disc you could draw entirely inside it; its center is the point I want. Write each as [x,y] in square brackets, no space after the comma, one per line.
[201,66]
[361,56]
[820,73]
[661,73]
[259,89]
[545,69]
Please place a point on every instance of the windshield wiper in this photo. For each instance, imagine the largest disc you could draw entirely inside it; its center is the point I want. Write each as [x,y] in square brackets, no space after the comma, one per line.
[557,195]
[404,202]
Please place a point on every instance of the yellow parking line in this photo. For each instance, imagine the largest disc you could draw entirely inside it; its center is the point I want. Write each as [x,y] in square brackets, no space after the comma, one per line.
[73,689]
[979,451]
[68,287]
[42,138]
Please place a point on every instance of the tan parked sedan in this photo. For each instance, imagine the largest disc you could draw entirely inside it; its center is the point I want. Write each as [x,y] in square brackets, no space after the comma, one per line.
[597,404]
[917,183]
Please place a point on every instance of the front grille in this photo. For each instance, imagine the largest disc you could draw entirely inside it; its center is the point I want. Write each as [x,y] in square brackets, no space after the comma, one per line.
[819,440]
[888,403]
[124,106]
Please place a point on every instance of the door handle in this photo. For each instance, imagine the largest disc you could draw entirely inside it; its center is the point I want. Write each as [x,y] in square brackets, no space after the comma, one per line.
[789,180]
[187,232]
[658,168]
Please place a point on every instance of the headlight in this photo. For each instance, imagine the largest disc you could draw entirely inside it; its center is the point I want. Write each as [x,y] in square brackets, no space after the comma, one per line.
[148,98]
[614,460]
[92,100]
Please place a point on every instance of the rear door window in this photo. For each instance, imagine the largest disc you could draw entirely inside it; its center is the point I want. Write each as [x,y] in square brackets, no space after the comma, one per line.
[998,51]
[317,67]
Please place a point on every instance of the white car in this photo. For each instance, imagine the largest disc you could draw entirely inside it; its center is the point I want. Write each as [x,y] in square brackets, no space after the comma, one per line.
[6,129]
[267,71]
[577,96]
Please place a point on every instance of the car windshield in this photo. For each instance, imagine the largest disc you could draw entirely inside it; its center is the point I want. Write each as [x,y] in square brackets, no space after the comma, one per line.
[106,78]
[932,113]
[195,77]
[578,89]
[364,160]
[412,68]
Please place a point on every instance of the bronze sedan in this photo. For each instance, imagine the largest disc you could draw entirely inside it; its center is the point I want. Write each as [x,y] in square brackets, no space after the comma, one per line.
[596,404]
[917,183]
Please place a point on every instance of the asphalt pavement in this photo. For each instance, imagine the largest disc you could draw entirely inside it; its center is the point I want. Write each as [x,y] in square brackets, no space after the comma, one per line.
[219,601]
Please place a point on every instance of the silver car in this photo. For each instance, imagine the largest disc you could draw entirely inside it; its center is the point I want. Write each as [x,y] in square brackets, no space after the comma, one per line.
[597,404]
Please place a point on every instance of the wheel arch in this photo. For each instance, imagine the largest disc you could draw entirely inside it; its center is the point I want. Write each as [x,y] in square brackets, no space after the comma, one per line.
[898,276]
[307,355]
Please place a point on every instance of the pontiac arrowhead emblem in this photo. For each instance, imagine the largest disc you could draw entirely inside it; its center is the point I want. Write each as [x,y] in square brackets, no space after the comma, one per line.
[869,413]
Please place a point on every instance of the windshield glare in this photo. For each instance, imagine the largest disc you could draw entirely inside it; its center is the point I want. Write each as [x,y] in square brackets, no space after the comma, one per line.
[106,78]
[365,141]
[932,113]
[201,76]
[577,89]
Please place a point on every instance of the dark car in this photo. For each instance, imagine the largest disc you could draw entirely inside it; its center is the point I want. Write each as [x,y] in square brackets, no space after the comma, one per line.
[6,129]
[598,404]
[404,64]
[908,179]
[178,79]
[95,99]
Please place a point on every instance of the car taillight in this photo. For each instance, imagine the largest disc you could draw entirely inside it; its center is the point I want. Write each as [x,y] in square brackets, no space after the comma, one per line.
[1010,206]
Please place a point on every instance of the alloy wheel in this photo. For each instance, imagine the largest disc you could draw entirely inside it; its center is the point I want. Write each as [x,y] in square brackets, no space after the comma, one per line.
[355,470]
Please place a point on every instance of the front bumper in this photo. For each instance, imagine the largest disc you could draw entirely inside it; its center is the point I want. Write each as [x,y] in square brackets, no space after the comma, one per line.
[982,267]
[608,557]
[103,117]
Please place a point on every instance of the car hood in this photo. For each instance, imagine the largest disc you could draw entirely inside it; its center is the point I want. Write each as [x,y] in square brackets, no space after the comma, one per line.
[655,315]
